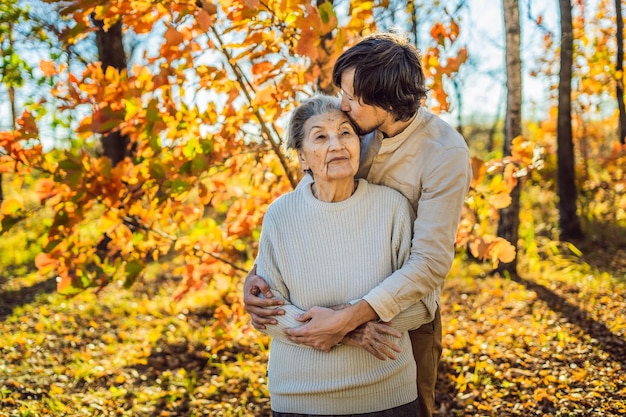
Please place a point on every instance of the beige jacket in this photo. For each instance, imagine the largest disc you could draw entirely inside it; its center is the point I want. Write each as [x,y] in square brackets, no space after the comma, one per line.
[429,163]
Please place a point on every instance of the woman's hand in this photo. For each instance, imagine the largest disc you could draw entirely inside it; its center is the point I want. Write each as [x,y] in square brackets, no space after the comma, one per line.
[374,337]
[324,328]
[260,308]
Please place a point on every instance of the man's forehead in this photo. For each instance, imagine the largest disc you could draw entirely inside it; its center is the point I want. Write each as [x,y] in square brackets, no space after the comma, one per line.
[347,81]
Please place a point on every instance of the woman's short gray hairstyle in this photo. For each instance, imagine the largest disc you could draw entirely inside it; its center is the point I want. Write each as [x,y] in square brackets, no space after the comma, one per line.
[311,107]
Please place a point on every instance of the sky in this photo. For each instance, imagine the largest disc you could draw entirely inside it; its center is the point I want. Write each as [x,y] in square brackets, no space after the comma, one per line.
[482,32]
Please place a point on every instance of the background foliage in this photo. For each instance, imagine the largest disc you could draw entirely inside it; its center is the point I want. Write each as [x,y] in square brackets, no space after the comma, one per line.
[166,234]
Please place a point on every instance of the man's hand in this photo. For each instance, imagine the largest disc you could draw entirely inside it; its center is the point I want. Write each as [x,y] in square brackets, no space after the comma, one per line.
[373,337]
[259,307]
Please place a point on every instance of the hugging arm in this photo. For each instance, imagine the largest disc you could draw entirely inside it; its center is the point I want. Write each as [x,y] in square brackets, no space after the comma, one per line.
[259,301]
[444,187]
[324,329]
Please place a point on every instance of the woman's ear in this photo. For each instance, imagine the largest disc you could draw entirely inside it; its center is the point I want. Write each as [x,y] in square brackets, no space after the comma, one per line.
[302,161]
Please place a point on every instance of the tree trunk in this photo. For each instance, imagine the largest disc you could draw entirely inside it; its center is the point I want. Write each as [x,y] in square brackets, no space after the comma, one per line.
[459,102]
[115,145]
[566,181]
[111,52]
[411,8]
[619,68]
[508,224]
[11,90]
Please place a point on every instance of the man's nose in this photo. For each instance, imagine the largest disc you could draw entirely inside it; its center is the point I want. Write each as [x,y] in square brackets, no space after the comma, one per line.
[345,106]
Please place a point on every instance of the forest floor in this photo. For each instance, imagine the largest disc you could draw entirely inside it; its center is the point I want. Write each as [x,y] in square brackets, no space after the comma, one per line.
[551,342]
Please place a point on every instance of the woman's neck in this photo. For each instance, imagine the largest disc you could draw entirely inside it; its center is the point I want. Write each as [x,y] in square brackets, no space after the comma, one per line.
[332,192]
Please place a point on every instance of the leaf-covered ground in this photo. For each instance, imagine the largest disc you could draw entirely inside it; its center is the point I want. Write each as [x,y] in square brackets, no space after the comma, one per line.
[552,343]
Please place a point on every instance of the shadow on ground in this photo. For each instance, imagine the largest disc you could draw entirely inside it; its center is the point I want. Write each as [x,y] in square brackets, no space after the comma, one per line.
[11,299]
[610,342]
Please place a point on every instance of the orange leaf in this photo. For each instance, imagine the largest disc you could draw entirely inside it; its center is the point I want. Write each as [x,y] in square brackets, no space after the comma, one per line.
[204,20]
[28,125]
[7,164]
[522,150]
[45,188]
[502,250]
[509,176]
[251,4]
[173,37]
[45,262]
[478,171]
[208,7]
[500,200]
[307,44]
[262,67]
[48,68]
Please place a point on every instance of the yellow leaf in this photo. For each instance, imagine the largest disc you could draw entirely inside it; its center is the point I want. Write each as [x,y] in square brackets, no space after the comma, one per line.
[10,206]
[56,390]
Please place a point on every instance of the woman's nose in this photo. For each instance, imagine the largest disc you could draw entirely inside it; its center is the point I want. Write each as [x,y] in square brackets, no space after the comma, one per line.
[335,142]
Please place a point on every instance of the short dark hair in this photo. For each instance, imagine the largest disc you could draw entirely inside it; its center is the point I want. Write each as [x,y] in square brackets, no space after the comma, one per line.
[388,73]
[311,107]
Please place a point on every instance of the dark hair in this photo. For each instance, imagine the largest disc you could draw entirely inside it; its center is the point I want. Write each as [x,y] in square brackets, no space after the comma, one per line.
[388,73]
[311,107]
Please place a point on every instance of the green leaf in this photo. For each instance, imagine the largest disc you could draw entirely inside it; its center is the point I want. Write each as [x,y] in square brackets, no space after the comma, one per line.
[133,269]
[326,11]
[199,165]
[8,222]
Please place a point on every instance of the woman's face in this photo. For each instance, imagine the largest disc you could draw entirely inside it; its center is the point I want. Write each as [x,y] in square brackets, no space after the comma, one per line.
[330,147]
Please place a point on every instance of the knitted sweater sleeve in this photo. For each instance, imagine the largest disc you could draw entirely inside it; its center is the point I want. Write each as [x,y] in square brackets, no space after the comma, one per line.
[267,267]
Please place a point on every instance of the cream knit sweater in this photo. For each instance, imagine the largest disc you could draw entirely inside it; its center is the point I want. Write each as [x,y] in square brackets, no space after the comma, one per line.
[314,253]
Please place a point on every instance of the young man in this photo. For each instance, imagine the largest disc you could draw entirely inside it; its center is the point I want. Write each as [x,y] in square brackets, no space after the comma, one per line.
[412,150]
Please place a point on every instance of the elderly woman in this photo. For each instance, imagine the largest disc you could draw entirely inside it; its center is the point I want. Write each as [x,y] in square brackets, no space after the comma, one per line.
[324,245]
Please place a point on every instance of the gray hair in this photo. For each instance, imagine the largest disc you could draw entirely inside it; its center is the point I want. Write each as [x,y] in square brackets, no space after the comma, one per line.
[311,107]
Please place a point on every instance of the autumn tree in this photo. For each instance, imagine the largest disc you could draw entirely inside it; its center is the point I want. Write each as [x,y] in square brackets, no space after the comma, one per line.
[566,178]
[508,223]
[202,111]
[201,173]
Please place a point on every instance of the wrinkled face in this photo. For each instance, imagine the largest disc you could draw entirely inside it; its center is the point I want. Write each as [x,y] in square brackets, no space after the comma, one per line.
[330,147]
[366,117]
